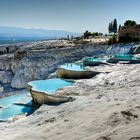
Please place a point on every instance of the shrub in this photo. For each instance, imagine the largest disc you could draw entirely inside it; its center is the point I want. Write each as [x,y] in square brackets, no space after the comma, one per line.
[112,40]
[129,34]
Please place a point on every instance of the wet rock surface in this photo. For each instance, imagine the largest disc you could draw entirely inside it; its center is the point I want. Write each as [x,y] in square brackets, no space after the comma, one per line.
[106,108]
[37,60]
[135,49]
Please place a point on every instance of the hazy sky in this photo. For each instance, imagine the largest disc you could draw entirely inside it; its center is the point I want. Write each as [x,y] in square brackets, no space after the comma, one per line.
[70,15]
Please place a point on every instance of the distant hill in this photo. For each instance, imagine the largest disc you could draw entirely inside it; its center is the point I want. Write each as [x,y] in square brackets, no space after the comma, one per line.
[14,34]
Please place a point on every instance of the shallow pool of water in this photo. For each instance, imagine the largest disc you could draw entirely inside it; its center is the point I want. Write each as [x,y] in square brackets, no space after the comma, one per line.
[95,59]
[13,110]
[127,57]
[49,85]
[21,97]
[73,66]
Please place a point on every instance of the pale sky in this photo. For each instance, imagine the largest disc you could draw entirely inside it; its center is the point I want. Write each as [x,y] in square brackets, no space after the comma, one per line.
[69,15]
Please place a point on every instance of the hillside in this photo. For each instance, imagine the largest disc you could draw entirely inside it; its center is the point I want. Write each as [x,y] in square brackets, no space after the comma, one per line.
[14,34]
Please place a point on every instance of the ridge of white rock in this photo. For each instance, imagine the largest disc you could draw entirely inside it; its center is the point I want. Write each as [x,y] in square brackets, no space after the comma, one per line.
[107,107]
[25,62]
[37,60]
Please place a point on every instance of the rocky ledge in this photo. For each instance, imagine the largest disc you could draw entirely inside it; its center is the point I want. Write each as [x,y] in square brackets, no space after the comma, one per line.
[37,60]
[106,108]
[24,62]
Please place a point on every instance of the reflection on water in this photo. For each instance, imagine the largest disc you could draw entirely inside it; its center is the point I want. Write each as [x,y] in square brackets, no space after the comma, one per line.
[7,101]
[9,109]
[49,85]
[73,66]
[13,110]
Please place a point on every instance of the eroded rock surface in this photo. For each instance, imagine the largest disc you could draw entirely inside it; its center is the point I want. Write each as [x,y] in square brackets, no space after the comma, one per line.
[37,60]
[107,107]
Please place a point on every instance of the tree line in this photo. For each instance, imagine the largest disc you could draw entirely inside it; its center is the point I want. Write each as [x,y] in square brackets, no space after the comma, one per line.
[88,34]
[113,27]
[129,29]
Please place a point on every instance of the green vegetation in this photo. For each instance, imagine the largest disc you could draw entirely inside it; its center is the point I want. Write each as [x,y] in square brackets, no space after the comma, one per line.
[112,28]
[119,27]
[112,40]
[130,23]
[88,34]
[130,32]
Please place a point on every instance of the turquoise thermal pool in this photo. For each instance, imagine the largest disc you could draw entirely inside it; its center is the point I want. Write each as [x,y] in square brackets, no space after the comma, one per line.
[8,112]
[49,85]
[73,66]
[7,101]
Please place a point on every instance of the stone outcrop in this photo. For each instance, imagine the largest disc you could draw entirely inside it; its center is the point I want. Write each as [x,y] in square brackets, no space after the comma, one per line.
[135,50]
[36,60]
[6,77]
[6,49]
[107,107]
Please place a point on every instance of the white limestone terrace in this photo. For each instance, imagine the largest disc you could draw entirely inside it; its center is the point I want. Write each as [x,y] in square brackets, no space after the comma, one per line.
[106,108]
[36,60]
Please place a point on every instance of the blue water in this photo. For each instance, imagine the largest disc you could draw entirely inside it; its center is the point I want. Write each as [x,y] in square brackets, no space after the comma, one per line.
[7,101]
[10,110]
[49,85]
[73,66]
[13,110]
[95,59]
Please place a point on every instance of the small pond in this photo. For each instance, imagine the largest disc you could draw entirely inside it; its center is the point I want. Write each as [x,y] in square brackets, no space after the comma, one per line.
[95,59]
[9,109]
[7,101]
[49,85]
[8,112]
[73,66]
[125,57]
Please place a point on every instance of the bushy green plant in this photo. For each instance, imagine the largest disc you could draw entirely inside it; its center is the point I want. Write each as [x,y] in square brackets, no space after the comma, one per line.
[87,34]
[112,40]
[130,23]
[129,34]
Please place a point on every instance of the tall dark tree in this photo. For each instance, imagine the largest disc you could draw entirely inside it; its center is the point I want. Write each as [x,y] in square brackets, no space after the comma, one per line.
[115,26]
[112,28]
[119,27]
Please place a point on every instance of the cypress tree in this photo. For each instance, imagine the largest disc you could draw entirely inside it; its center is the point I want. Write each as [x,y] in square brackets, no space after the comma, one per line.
[110,27]
[115,26]
[119,27]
